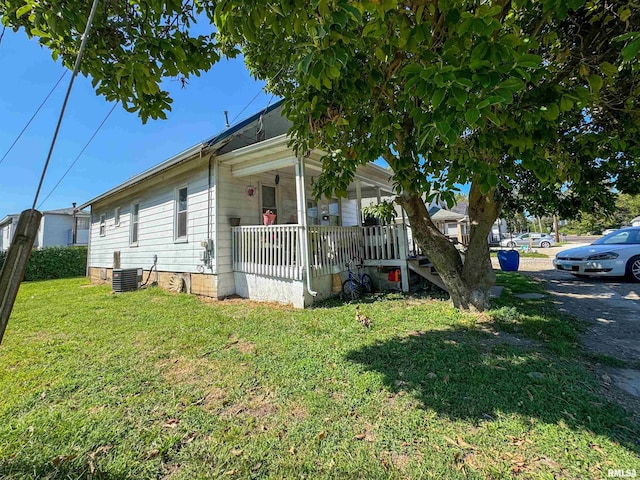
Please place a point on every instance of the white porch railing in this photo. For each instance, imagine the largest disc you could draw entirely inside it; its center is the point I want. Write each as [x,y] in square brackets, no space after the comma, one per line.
[272,250]
[276,251]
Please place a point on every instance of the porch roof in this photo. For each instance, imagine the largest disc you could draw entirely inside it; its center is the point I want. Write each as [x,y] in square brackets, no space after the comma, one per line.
[275,153]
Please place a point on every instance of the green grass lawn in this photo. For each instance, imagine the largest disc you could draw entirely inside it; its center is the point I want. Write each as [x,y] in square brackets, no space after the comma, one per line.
[155,385]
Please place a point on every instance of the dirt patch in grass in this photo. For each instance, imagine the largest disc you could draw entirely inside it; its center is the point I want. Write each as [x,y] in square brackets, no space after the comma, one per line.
[257,404]
[240,345]
[198,371]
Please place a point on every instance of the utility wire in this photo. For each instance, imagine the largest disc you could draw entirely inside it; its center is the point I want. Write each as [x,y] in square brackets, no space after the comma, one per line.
[246,106]
[4,28]
[79,155]
[76,68]
[33,116]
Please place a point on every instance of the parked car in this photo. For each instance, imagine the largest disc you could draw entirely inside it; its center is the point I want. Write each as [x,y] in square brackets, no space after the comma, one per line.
[615,255]
[534,239]
[608,231]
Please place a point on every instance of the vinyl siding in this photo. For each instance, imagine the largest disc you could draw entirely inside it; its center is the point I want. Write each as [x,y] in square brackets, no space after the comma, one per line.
[155,226]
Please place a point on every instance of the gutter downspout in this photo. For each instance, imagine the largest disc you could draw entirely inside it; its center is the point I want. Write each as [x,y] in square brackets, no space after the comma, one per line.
[88,269]
[302,212]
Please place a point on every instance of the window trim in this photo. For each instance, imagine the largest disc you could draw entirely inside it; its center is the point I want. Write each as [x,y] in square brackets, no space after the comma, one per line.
[102,225]
[176,212]
[132,223]
[116,217]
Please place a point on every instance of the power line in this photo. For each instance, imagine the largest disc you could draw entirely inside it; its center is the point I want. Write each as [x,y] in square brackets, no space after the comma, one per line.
[79,155]
[246,106]
[32,116]
[76,68]
[256,96]
[4,28]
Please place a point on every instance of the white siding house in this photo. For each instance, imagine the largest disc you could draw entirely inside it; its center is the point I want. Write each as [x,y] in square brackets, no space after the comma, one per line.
[58,228]
[235,215]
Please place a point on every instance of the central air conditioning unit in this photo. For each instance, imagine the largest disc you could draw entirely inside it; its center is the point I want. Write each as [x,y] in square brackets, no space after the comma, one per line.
[126,279]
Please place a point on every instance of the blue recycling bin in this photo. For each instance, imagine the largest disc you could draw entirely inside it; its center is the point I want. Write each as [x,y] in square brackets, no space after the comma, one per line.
[509,260]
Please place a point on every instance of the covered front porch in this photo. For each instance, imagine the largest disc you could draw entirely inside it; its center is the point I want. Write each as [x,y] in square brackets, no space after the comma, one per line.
[295,260]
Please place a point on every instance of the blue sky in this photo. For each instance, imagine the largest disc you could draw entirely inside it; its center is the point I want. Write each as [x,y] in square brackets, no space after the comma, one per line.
[122,148]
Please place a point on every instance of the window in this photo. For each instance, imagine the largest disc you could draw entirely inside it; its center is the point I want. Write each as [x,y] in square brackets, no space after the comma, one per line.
[180,223]
[334,212]
[135,210]
[312,212]
[82,223]
[116,217]
[103,225]
[269,199]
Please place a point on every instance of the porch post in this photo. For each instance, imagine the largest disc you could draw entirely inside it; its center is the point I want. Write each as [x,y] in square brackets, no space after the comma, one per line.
[301,201]
[378,194]
[359,202]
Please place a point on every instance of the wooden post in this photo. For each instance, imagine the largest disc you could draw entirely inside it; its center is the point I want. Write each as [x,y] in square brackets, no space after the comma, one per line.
[16,263]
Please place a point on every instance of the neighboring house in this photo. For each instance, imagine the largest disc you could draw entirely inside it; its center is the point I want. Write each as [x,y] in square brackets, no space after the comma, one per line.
[7,230]
[200,216]
[635,221]
[58,228]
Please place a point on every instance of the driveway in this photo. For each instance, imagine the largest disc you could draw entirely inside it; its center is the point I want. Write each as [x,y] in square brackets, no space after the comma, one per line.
[609,307]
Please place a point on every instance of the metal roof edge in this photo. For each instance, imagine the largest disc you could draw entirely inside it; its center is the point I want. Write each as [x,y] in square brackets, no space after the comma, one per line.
[238,126]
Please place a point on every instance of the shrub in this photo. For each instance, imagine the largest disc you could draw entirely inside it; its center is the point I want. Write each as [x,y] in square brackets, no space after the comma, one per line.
[54,262]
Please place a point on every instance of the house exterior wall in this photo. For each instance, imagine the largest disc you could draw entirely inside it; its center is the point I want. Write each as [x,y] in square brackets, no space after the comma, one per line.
[7,232]
[55,231]
[233,200]
[157,203]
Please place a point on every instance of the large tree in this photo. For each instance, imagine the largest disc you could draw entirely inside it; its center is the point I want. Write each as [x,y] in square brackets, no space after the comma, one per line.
[502,95]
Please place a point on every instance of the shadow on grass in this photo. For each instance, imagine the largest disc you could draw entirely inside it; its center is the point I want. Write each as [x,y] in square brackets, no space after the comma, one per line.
[464,376]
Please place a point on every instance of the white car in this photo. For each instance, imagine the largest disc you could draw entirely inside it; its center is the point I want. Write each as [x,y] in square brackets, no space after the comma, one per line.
[542,240]
[615,255]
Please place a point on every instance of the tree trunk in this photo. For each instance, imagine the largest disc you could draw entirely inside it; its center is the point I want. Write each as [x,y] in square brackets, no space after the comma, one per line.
[468,280]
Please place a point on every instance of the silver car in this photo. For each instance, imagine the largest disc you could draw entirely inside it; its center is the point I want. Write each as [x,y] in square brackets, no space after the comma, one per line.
[542,240]
[615,255]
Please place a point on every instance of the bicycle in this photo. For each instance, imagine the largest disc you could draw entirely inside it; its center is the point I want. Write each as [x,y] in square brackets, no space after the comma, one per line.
[355,285]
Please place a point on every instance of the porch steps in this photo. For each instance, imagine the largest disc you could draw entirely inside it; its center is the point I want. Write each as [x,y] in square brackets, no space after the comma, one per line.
[426,271]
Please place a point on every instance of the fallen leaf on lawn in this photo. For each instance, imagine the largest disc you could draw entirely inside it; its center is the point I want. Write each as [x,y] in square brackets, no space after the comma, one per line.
[256,467]
[359,436]
[597,448]
[189,438]
[230,472]
[322,434]
[292,450]
[99,450]
[431,375]
[606,378]
[436,447]
[153,453]
[529,393]
[451,440]
[568,415]
[445,378]
[236,452]
[60,459]
[464,444]
[171,423]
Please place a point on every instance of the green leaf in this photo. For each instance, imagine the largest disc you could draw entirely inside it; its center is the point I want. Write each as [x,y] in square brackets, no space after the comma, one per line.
[595,82]
[459,94]
[23,10]
[530,61]
[493,180]
[631,50]
[472,115]
[437,97]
